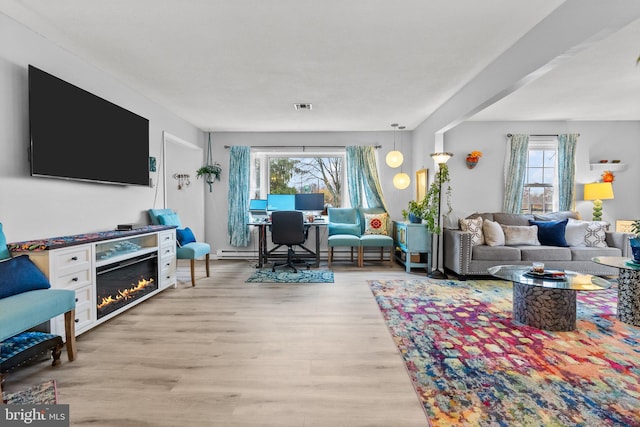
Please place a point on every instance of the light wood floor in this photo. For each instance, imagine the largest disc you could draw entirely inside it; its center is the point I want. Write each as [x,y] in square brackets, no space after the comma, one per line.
[230,353]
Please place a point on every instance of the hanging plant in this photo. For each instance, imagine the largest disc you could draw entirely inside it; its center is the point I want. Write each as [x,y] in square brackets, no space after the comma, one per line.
[210,171]
[430,214]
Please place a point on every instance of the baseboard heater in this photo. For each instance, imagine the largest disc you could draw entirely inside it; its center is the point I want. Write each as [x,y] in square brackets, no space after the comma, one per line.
[236,254]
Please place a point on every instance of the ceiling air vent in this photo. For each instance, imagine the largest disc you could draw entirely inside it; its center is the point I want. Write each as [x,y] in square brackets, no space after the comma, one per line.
[305,106]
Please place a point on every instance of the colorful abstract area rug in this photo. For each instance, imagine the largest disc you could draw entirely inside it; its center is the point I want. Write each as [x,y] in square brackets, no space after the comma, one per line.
[288,276]
[41,394]
[472,365]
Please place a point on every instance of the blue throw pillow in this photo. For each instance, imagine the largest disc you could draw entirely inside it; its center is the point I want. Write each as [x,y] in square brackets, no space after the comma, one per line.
[184,236]
[20,274]
[169,219]
[4,251]
[551,233]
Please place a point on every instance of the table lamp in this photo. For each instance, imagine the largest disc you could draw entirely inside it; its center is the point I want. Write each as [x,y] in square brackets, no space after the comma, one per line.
[597,191]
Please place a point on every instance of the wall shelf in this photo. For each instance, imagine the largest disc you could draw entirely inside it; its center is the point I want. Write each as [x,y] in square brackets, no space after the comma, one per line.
[613,167]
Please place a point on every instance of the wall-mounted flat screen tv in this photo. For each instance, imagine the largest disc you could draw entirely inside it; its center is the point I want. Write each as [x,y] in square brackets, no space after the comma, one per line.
[75,134]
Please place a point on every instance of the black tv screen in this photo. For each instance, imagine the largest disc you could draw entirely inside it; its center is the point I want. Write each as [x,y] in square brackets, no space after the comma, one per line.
[77,135]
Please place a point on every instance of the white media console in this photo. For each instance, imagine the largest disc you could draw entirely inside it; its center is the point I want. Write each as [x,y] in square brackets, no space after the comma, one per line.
[100,268]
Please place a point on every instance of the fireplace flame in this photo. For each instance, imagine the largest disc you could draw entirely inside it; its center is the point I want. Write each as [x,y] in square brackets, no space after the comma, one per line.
[125,294]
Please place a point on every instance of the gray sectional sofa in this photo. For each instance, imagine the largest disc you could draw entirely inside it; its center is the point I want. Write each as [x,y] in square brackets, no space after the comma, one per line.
[468,254]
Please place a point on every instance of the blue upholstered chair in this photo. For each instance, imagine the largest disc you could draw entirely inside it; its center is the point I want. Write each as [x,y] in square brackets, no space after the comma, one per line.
[187,247]
[344,230]
[376,233]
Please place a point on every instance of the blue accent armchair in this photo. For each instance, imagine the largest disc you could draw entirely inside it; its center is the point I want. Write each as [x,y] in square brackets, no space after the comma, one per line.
[344,230]
[192,250]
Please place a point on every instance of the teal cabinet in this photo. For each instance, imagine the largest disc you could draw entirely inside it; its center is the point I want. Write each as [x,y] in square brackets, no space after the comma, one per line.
[412,245]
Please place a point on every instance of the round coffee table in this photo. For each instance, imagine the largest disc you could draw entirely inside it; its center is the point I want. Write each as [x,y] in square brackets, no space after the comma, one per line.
[547,303]
[628,287]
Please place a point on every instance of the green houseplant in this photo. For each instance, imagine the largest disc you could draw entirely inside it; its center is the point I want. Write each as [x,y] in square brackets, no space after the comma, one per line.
[414,211]
[431,202]
[210,172]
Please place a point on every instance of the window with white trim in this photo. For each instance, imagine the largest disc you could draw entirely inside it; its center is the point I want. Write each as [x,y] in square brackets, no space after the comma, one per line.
[540,193]
[282,172]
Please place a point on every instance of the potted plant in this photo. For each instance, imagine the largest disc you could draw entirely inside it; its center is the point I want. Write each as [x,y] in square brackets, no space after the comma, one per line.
[414,211]
[210,172]
[634,241]
[432,200]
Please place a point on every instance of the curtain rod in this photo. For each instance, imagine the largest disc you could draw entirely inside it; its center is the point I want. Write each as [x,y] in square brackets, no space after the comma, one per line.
[300,146]
[509,135]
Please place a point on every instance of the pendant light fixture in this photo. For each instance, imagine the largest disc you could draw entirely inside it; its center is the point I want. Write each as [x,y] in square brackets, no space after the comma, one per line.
[401,180]
[394,158]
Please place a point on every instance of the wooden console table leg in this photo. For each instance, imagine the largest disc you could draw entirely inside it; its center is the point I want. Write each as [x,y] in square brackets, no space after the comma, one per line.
[70,334]
[207,265]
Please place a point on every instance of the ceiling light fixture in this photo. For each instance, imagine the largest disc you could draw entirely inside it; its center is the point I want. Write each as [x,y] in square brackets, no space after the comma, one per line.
[394,158]
[303,106]
[401,180]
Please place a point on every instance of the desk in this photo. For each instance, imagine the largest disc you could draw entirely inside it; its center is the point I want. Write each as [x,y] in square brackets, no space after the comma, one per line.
[264,254]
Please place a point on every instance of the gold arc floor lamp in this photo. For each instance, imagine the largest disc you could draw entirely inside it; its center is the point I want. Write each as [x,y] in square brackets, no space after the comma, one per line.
[598,191]
[441,159]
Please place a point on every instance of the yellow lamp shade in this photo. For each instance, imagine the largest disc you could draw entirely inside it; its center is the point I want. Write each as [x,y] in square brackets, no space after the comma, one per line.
[394,159]
[598,191]
[401,181]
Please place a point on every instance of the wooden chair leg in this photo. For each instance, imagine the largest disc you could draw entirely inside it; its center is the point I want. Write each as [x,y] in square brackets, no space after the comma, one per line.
[207,261]
[360,256]
[193,272]
[330,256]
[70,334]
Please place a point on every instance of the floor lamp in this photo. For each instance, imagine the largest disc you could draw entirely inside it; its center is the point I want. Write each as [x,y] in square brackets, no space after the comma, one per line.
[441,159]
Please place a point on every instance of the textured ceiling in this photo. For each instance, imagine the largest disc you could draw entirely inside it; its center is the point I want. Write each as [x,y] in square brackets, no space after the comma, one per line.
[363,64]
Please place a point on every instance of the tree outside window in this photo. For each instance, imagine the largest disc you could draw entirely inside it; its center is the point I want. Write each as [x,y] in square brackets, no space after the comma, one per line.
[287,174]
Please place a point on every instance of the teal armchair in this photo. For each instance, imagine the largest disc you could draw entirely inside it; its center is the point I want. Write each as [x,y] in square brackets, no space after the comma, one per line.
[376,230]
[189,248]
[343,230]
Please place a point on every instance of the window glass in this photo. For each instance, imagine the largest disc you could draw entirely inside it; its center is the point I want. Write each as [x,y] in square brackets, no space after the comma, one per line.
[285,173]
[540,193]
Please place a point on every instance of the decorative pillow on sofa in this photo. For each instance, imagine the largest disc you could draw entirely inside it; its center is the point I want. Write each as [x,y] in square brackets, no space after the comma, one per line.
[596,236]
[376,223]
[493,234]
[185,236]
[595,232]
[576,232]
[557,216]
[551,233]
[473,226]
[520,235]
[20,274]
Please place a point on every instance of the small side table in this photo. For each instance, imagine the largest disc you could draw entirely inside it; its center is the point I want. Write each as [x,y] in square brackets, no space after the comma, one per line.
[628,287]
[412,240]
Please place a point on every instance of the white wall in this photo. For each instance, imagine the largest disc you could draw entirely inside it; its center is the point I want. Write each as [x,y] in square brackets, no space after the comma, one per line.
[33,208]
[481,189]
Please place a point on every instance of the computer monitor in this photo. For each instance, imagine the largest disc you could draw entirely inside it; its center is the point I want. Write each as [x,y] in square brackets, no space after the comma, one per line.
[281,202]
[309,202]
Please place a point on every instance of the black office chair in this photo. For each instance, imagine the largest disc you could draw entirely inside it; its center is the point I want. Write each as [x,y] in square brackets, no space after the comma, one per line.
[288,229]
